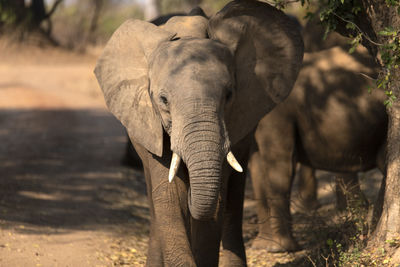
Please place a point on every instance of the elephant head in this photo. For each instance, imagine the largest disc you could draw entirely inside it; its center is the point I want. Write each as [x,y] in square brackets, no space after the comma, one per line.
[205,83]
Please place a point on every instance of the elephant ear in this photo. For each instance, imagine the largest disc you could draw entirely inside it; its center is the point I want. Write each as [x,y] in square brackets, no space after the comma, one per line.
[268,52]
[122,72]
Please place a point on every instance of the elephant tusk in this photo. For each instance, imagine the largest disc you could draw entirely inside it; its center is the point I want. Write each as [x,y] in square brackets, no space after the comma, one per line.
[233,162]
[173,169]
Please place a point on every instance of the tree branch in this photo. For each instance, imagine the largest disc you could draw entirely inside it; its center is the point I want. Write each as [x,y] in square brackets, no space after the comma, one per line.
[53,8]
[367,76]
[358,28]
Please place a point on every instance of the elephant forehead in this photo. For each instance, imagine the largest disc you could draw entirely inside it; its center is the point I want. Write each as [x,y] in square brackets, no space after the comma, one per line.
[201,66]
[183,55]
[192,68]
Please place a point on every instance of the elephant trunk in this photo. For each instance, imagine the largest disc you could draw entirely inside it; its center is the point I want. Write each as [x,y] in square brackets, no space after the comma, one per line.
[205,146]
[205,182]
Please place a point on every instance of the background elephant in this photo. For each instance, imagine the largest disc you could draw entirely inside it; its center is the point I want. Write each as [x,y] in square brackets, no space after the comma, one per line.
[328,122]
[194,90]
[346,183]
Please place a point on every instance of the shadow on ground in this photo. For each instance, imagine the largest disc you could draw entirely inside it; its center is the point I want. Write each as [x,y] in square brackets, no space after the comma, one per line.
[61,169]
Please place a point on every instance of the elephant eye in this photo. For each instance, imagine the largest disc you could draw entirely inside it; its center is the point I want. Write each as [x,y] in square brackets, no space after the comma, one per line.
[164,99]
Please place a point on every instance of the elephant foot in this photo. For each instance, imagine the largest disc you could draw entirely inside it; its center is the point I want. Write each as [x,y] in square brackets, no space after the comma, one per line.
[275,245]
[230,259]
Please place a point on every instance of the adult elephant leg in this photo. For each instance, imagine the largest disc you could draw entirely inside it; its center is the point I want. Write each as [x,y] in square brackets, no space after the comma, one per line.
[348,191]
[272,169]
[154,251]
[307,196]
[169,243]
[232,236]
[206,238]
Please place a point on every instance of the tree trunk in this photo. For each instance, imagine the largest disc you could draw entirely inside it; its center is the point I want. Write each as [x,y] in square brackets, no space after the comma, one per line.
[21,19]
[388,227]
[19,8]
[98,5]
[38,13]
[151,10]
[379,16]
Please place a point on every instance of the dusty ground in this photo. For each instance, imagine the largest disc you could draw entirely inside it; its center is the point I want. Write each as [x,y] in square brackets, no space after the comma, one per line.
[65,199]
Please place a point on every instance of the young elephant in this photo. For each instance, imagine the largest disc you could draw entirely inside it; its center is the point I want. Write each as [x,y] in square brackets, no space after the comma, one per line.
[329,122]
[193,91]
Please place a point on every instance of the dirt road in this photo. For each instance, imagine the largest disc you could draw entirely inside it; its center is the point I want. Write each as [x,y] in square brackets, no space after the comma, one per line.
[65,199]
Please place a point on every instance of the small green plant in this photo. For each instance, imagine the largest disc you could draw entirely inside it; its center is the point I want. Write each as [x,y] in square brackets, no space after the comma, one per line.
[342,241]
[394,243]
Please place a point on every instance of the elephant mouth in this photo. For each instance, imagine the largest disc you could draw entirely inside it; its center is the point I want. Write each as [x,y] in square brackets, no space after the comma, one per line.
[202,209]
[176,161]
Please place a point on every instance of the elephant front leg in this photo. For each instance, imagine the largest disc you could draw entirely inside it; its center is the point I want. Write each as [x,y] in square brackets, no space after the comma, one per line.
[171,225]
[206,238]
[307,190]
[154,251]
[232,236]
[170,229]
[234,253]
[272,183]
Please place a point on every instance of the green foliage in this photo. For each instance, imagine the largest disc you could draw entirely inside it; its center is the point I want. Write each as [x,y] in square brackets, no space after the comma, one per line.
[392,2]
[347,11]
[344,241]
[390,55]
[356,41]
[338,11]
[7,14]
[394,243]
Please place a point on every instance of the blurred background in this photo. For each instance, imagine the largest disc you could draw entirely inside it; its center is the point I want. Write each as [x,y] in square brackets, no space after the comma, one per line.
[77,24]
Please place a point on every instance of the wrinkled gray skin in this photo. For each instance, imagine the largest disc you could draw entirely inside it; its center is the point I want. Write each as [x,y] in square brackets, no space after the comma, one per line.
[328,122]
[173,88]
